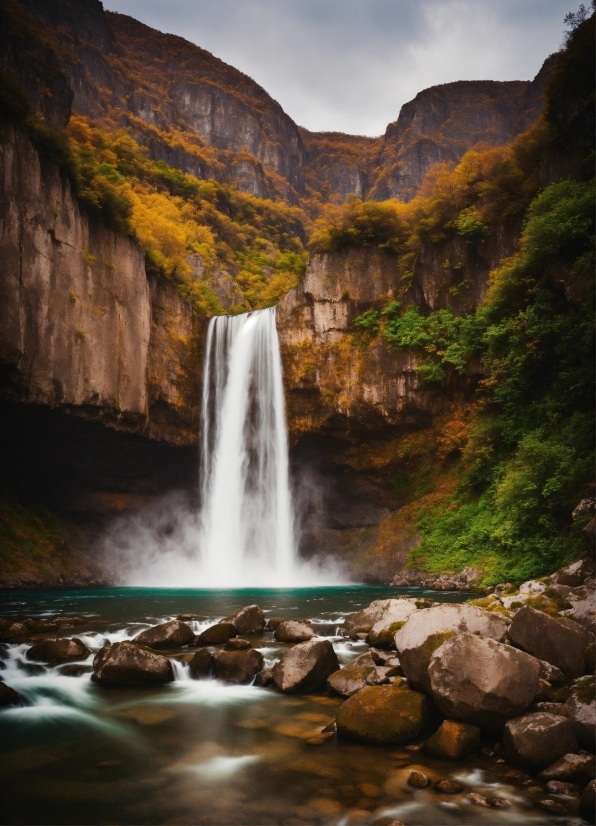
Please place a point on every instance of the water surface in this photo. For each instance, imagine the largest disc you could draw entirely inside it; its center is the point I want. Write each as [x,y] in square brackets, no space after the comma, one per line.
[208,753]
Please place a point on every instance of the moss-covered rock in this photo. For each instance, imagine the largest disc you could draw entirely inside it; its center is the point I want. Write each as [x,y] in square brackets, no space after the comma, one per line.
[382,714]
[453,740]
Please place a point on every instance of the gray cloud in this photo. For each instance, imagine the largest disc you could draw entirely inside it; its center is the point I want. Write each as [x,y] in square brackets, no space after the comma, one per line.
[349,65]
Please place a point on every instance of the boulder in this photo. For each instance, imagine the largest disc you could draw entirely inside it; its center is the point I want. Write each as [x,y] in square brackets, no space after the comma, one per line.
[380,675]
[123,663]
[293,631]
[238,666]
[40,626]
[559,787]
[482,681]
[583,606]
[352,677]
[537,740]
[264,678]
[217,634]
[248,620]
[576,573]
[382,714]
[559,641]
[453,740]
[448,787]
[363,621]
[306,666]
[15,632]
[387,658]
[273,622]
[8,696]
[580,708]
[173,634]
[551,807]
[237,644]
[382,633]
[418,780]
[58,650]
[587,803]
[201,664]
[551,673]
[427,629]
[571,768]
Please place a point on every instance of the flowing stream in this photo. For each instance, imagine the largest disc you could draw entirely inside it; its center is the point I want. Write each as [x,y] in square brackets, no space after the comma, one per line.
[203,752]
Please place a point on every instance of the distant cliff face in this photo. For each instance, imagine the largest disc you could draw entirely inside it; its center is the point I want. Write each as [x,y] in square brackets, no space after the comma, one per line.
[199,114]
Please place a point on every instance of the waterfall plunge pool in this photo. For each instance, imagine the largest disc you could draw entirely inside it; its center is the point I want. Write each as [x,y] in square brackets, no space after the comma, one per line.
[201,752]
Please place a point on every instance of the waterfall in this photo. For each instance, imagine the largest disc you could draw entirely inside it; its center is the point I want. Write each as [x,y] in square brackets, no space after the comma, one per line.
[247,519]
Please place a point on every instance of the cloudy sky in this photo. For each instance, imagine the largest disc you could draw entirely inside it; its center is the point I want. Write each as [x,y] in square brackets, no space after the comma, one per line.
[349,65]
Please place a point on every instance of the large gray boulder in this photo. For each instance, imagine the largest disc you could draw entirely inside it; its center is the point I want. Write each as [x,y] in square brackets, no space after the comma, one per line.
[382,714]
[238,666]
[173,634]
[482,681]
[352,677]
[382,633]
[427,629]
[58,650]
[559,641]
[123,663]
[580,708]
[305,667]
[248,620]
[293,631]
[537,740]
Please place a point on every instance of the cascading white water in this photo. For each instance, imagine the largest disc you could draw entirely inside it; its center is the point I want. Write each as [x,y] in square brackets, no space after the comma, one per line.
[247,519]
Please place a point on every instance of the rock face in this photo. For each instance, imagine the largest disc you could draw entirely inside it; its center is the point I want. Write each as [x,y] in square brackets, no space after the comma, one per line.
[482,681]
[538,740]
[123,663]
[382,715]
[580,708]
[291,631]
[426,630]
[248,620]
[453,740]
[238,666]
[58,650]
[173,634]
[305,667]
[560,641]
[352,677]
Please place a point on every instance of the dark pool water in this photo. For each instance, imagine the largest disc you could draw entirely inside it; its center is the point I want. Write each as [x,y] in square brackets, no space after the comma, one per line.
[201,752]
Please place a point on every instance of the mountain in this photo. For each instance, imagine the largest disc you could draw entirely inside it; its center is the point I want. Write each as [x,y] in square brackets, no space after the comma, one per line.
[201,115]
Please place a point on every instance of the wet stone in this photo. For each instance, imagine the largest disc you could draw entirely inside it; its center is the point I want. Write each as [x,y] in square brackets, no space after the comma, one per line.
[123,663]
[8,696]
[264,678]
[173,634]
[58,650]
[418,779]
[448,787]
[217,634]
[293,632]
[237,645]
[551,806]
[453,740]
[537,740]
[305,667]
[247,621]
[477,799]
[572,768]
[201,664]
[238,666]
[559,787]
[382,714]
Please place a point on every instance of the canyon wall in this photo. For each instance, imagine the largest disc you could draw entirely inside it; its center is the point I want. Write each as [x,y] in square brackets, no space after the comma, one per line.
[99,373]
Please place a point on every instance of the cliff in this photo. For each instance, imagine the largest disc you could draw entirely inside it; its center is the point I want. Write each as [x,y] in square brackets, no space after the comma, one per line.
[199,114]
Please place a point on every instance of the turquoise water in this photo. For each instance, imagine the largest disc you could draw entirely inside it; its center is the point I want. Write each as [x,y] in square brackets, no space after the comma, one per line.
[199,751]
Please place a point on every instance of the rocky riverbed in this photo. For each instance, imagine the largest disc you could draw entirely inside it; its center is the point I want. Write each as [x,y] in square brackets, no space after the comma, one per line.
[406,710]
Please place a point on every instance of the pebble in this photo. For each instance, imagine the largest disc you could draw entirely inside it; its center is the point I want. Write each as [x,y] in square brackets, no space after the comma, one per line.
[477,799]
[418,779]
[551,806]
[498,803]
[448,787]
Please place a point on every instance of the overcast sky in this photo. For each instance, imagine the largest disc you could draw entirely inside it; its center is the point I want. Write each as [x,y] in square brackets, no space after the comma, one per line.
[349,65]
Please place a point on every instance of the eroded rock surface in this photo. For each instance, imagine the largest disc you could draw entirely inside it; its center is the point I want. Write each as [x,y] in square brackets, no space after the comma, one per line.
[559,641]
[538,740]
[427,629]
[123,663]
[173,634]
[305,667]
[482,681]
[382,715]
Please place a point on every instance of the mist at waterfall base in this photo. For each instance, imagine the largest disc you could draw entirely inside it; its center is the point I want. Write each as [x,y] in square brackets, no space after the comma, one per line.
[246,532]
